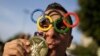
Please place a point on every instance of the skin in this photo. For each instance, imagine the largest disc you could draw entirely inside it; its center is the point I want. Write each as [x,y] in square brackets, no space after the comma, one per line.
[57,43]
[17,47]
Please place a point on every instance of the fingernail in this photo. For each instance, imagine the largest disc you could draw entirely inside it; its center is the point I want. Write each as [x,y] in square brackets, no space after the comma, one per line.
[27,43]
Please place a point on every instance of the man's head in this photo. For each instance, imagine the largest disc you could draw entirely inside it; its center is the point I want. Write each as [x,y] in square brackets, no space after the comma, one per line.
[57,41]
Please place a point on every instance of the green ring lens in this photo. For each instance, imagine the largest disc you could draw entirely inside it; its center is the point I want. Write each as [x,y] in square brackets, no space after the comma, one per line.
[58,30]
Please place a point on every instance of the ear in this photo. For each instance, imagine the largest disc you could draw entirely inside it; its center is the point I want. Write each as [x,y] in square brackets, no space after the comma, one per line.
[70,41]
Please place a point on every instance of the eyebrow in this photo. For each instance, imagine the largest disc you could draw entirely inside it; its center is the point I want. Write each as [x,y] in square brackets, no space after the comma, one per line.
[54,14]
[57,13]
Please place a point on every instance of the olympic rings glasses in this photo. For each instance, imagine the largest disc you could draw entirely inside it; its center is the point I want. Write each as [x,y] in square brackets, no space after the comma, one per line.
[47,23]
[61,25]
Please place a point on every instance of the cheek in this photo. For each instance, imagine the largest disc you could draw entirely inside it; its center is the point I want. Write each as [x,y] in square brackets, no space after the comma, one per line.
[62,37]
[64,41]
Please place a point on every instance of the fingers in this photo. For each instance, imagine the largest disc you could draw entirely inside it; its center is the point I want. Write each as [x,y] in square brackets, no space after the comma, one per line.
[24,38]
[16,47]
[13,52]
[12,48]
[26,44]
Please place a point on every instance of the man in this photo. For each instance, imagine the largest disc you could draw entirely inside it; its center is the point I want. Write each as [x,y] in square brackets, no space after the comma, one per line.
[57,42]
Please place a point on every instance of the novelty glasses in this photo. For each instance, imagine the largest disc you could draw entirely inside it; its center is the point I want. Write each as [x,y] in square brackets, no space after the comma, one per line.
[61,25]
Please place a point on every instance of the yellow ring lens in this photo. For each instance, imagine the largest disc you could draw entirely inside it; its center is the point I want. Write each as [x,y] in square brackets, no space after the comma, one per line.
[41,28]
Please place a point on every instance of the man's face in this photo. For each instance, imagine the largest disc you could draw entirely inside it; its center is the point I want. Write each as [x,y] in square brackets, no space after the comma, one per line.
[54,39]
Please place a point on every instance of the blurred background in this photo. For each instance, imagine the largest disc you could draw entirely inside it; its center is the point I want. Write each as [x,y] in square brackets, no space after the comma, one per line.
[15,21]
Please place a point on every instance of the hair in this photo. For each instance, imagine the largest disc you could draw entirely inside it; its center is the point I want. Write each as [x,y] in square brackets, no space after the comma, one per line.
[59,7]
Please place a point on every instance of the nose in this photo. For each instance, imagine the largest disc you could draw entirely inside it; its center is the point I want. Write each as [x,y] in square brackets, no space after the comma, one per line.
[50,33]
[50,36]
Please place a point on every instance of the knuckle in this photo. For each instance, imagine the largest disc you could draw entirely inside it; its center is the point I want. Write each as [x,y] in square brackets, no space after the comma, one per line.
[6,45]
[16,45]
[14,41]
[16,52]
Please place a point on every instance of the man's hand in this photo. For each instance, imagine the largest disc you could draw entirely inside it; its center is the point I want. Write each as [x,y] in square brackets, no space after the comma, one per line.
[17,47]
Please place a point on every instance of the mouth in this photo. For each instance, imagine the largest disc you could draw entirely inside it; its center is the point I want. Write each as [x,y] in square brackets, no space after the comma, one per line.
[53,45]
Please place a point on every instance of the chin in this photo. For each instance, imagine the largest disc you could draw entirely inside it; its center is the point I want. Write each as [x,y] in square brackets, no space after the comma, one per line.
[52,47]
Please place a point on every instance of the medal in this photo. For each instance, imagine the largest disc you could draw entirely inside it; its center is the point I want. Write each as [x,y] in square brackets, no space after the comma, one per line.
[38,46]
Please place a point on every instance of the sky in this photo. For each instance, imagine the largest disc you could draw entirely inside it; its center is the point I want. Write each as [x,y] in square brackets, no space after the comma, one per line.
[15,16]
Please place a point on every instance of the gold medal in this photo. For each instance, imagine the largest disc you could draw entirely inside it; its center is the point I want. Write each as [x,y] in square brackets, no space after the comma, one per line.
[38,46]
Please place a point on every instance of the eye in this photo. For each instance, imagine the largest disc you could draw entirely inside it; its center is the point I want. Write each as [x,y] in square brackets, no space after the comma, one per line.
[60,25]
[44,23]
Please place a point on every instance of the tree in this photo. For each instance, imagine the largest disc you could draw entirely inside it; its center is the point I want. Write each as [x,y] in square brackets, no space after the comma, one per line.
[1,47]
[89,14]
[81,50]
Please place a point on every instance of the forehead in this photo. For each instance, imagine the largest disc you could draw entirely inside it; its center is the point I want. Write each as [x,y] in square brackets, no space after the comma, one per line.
[54,15]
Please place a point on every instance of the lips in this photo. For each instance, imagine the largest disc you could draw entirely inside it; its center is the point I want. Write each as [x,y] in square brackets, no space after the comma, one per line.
[53,44]
[50,46]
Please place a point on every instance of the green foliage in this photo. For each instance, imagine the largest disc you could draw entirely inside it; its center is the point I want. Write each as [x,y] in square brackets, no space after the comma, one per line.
[89,14]
[80,50]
